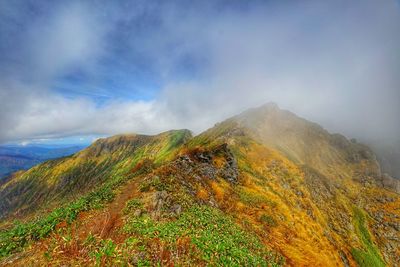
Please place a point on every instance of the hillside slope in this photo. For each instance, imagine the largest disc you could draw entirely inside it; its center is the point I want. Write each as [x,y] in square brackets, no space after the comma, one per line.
[262,188]
[69,177]
[307,143]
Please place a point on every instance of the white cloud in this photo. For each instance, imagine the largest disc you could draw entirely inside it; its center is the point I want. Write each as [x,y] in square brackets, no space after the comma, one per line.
[24,143]
[70,38]
[333,62]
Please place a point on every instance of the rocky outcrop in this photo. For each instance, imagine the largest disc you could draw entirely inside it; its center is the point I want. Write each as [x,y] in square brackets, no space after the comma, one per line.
[203,163]
[390,183]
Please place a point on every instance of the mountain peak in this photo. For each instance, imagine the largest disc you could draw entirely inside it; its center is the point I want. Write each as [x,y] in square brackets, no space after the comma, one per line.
[302,141]
[269,106]
[266,173]
[262,110]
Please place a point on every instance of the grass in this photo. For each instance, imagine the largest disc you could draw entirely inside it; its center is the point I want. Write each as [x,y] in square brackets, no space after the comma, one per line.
[176,139]
[219,241]
[254,199]
[107,249]
[368,255]
[21,234]
[154,182]
[132,205]
[92,251]
[16,238]
[268,220]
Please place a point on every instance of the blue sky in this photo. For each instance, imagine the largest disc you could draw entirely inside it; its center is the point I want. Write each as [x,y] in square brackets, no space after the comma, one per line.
[71,69]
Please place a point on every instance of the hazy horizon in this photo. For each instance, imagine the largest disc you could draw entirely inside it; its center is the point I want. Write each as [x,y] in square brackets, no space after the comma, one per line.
[73,69]
[176,184]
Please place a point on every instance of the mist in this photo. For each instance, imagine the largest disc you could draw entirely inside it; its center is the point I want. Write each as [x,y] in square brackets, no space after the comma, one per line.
[102,68]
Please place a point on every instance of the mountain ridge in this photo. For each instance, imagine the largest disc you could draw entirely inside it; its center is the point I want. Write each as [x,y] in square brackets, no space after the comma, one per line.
[306,195]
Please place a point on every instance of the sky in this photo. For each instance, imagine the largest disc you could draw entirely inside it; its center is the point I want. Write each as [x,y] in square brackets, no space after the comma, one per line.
[76,70]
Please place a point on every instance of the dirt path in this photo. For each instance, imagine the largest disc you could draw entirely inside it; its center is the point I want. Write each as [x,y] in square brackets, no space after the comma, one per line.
[107,223]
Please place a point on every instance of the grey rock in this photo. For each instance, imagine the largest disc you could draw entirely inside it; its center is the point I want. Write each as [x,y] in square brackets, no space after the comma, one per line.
[138,213]
[159,200]
[176,209]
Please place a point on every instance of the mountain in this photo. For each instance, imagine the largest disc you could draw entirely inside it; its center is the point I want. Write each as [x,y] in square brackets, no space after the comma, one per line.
[389,157]
[13,163]
[263,188]
[68,177]
[15,158]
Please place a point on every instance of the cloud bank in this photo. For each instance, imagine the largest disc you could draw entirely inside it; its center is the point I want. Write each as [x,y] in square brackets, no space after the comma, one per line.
[101,67]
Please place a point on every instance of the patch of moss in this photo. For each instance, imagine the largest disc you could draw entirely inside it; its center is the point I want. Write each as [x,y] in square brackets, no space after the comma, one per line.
[369,255]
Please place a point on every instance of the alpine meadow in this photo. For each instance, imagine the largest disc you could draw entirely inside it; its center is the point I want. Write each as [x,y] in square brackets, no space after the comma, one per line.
[200,133]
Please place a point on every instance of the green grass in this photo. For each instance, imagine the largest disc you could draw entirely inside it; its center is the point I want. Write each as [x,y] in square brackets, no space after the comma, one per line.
[113,174]
[154,182]
[176,139]
[211,136]
[218,238]
[254,199]
[21,234]
[368,255]
[268,220]
[106,249]
[132,205]
[252,172]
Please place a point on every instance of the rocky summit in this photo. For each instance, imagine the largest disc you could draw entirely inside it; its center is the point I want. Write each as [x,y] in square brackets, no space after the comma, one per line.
[263,188]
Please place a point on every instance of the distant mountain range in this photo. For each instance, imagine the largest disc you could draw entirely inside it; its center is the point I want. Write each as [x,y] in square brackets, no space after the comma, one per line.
[263,188]
[15,158]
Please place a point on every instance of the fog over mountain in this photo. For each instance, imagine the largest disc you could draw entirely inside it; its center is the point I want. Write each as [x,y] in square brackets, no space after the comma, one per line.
[73,68]
[199,133]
